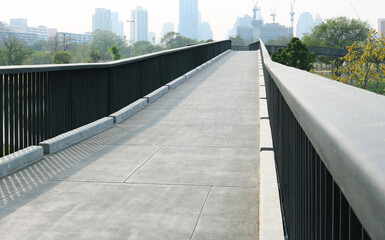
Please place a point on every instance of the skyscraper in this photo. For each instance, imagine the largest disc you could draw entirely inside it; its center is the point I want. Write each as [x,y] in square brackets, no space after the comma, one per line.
[167,27]
[381,26]
[139,30]
[102,20]
[105,20]
[188,18]
[116,25]
[305,24]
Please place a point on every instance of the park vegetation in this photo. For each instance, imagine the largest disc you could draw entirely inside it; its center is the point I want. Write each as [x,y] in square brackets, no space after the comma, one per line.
[364,65]
[106,46]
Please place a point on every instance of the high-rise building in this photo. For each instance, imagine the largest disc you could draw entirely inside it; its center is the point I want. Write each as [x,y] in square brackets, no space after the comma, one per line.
[188,18]
[101,20]
[305,24]
[205,32]
[167,27]
[381,26]
[139,30]
[105,20]
[19,22]
[117,26]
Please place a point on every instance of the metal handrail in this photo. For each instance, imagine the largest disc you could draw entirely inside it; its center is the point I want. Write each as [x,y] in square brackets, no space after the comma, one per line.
[346,127]
[82,66]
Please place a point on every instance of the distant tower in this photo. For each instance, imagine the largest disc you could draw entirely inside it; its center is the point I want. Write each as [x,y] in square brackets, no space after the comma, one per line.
[188,18]
[305,24]
[256,23]
[167,27]
[101,19]
[140,26]
[381,26]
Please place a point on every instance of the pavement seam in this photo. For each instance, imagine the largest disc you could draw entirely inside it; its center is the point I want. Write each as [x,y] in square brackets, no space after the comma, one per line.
[200,214]
[143,164]
[189,185]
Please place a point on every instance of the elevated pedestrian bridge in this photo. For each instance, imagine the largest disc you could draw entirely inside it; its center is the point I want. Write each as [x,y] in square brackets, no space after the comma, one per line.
[194,143]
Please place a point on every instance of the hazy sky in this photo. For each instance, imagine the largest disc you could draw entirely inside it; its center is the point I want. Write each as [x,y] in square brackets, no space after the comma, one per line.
[76,16]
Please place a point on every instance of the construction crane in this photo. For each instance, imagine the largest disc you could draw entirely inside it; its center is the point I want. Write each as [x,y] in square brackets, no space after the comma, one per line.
[273,14]
[292,17]
[355,11]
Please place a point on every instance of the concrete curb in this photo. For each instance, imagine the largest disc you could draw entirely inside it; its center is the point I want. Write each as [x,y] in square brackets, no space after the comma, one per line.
[130,110]
[263,111]
[270,216]
[175,83]
[152,97]
[262,92]
[20,159]
[265,135]
[191,73]
[74,136]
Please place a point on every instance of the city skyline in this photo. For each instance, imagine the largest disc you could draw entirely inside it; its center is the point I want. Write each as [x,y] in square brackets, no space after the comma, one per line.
[220,16]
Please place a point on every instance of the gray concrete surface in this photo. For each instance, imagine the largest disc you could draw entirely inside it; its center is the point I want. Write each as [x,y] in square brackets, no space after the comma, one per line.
[184,167]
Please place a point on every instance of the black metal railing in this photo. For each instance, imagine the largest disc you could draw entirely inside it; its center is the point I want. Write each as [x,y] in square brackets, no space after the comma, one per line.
[329,148]
[40,102]
[319,51]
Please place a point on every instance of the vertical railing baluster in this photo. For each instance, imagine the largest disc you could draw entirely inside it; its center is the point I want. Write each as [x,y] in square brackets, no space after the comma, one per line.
[2,115]
[17,94]
[11,114]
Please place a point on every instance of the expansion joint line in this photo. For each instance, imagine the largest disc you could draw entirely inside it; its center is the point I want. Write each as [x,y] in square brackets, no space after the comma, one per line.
[200,214]
[141,165]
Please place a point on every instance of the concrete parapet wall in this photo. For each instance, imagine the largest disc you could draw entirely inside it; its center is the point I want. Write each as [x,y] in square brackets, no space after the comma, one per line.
[20,159]
[130,110]
[152,97]
[74,136]
[270,216]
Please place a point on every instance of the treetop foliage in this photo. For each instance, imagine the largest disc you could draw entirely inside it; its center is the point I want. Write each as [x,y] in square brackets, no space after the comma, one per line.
[364,65]
[338,32]
[295,55]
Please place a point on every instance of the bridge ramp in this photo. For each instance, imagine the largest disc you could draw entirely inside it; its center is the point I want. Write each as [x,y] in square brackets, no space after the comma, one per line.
[185,167]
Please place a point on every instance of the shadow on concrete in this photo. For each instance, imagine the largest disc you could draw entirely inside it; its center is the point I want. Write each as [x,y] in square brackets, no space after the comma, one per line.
[25,185]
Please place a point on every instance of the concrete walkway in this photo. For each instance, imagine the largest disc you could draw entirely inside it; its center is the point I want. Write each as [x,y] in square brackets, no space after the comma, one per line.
[185,167]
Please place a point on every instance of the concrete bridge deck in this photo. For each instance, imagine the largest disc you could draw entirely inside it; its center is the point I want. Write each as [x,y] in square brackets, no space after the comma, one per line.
[185,167]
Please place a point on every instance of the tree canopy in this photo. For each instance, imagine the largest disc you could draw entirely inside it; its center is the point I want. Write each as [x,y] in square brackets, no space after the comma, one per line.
[295,55]
[103,40]
[364,65]
[14,51]
[338,32]
[61,57]
[175,40]
[238,41]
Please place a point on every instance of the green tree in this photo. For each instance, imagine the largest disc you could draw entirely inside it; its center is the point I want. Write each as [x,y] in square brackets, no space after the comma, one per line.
[39,57]
[338,32]
[364,65]
[94,56]
[15,51]
[79,53]
[295,55]
[238,41]
[174,40]
[41,46]
[61,57]
[114,50]
[145,47]
[103,40]
[280,40]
